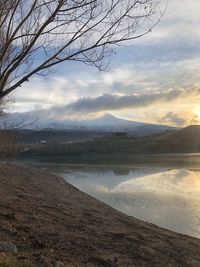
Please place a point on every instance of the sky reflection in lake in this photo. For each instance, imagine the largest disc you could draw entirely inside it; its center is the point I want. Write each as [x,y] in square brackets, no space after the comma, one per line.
[168,198]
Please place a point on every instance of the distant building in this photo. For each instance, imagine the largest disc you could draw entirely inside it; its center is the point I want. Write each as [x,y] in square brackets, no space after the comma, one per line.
[43,142]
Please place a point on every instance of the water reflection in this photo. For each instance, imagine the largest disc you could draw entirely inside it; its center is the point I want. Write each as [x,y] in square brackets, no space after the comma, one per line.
[169,198]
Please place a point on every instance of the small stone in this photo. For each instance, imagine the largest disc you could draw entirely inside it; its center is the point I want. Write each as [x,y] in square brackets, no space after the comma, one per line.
[45,262]
[8,246]
[24,239]
[39,243]
[10,216]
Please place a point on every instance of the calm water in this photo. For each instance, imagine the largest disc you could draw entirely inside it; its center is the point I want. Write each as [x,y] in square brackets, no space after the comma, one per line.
[167,197]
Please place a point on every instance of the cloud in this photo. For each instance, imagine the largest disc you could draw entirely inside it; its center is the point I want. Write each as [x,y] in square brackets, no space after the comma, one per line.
[174,118]
[180,118]
[115,102]
[126,79]
[149,106]
[178,23]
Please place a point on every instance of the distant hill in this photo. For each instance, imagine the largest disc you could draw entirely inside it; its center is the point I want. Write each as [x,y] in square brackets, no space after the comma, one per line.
[190,134]
[108,148]
[28,136]
[86,146]
[185,140]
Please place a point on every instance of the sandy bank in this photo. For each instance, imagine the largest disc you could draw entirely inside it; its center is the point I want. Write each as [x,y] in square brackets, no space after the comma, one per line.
[44,215]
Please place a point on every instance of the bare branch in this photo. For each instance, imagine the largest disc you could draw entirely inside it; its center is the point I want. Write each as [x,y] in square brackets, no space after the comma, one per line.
[36,35]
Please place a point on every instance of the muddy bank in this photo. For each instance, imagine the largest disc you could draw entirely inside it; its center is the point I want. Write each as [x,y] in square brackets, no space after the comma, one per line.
[44,215]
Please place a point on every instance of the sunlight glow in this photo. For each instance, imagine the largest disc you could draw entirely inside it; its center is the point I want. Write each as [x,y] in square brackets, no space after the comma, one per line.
[198,112]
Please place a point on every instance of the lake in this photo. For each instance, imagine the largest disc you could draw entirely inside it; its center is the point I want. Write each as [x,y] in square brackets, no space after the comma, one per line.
[168,197]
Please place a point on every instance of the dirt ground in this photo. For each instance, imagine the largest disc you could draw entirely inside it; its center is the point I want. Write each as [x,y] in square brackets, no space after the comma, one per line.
[44,215]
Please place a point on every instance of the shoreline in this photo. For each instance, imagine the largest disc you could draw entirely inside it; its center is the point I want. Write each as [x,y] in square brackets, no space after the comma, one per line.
[185,161]
[54,219]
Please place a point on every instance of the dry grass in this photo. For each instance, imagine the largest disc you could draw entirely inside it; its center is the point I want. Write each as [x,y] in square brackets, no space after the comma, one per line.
[10,261]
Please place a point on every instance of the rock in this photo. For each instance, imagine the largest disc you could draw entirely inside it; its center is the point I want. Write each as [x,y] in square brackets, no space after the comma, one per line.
[10,216]
[24,239]
[8,246]
[39,243]
[44,262]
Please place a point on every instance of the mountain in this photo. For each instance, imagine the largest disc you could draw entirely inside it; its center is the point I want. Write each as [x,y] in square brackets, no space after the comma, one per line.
[109,123]
[106,124]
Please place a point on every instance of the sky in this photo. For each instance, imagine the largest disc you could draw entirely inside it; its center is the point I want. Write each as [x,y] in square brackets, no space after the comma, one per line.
[154,79]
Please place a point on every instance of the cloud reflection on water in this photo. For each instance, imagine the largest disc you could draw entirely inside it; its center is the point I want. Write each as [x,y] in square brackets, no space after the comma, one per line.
[168,198]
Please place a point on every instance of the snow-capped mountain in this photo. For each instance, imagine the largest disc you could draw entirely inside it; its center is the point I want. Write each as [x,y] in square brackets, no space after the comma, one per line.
[108,123]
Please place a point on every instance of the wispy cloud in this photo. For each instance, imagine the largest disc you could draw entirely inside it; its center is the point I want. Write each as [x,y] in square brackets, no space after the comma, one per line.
[180,118]
[175,118]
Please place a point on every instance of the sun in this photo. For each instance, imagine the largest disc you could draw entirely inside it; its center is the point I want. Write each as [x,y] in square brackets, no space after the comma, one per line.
[197,112]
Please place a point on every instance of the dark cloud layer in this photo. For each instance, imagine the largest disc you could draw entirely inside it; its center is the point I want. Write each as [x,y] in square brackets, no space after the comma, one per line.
[115,102]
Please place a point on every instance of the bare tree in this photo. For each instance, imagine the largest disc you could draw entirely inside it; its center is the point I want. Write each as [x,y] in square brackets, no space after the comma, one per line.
[36,35]
[6,138]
